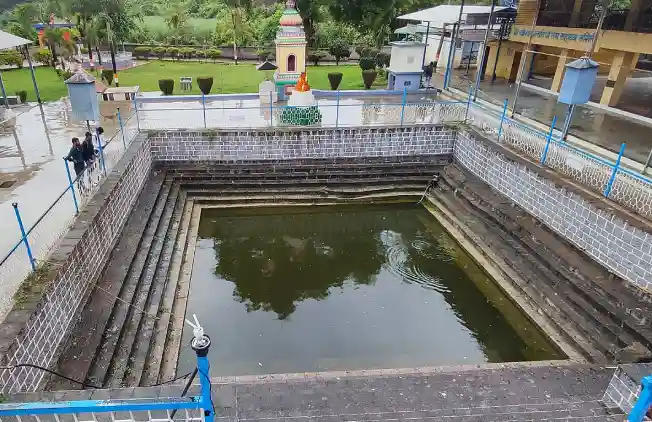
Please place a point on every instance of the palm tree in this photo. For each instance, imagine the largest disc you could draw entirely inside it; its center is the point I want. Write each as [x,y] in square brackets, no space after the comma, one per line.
[177,18]
[238,16]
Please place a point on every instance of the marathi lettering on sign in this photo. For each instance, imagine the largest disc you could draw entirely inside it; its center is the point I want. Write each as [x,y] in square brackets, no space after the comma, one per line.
[585,37]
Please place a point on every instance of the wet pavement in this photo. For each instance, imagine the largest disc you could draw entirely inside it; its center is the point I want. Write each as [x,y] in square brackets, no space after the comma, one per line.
[589,123]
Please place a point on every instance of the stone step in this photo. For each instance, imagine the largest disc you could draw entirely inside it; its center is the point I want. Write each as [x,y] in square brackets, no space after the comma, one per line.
[300,173]
[528,280]
[122,355]
[586,294]
[123,307]
[86,337]
[314,182]
[282,190]
[559,287]
[604,290]
[162,325]
[142,345]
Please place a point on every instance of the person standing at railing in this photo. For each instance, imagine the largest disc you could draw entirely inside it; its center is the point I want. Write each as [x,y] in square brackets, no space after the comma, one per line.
[76,155]
[88,149]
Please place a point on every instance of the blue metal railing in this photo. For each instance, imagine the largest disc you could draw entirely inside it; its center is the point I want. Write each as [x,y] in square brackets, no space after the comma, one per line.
[644,403]
[203,402]
[74,188]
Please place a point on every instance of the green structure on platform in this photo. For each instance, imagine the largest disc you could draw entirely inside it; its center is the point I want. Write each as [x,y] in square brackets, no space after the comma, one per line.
[301,116]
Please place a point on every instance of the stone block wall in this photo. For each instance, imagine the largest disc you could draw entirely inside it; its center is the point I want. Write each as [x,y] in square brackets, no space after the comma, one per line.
[625,386]
[291,143]
[36,328]
[612,241]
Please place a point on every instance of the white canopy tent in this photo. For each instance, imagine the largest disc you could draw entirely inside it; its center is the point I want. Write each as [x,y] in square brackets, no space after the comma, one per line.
[7,42]
[447,14]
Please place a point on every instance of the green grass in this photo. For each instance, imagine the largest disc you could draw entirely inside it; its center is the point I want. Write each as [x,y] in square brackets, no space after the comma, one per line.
[50,84]
[157,23]
[227,78]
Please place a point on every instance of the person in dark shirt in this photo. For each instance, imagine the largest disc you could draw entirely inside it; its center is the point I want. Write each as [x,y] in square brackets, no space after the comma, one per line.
[76,155]
[88,150]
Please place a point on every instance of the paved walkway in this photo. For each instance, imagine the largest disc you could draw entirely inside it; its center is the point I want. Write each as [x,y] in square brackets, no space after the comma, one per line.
[534,391]
[590,124]
[31,149]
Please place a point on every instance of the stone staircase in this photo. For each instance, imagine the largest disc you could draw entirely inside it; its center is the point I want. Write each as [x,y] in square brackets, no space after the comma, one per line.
[130,329]
[604,317]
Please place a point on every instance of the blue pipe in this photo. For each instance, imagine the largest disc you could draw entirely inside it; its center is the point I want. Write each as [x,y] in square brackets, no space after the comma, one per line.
[502,119]
[122,129]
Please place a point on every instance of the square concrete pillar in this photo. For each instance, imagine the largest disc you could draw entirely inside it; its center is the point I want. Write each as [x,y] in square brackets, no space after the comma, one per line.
[618,73]
[559,72]
[634,12]
[527,58]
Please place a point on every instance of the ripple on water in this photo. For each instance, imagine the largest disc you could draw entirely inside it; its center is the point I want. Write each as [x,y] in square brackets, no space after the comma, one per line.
[399,264]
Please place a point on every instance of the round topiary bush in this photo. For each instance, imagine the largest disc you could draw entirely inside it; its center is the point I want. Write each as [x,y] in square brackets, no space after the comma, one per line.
[335,78]
[368,77]
[367,63]
[205,84]
[22,94]
[107,76]
[166,86]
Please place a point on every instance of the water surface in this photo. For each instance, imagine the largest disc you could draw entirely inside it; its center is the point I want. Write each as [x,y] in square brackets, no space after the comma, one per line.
[318,289]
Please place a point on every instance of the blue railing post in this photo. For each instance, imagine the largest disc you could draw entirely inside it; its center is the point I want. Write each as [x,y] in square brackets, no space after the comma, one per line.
[70,185]
[610,184]
[502,119]
[337,109]
[100,148]
[548,139]
[468,104]
[137,116]
[23,235]
[122,129]
[271,108]
[203,107]
[403,105]
[644,401]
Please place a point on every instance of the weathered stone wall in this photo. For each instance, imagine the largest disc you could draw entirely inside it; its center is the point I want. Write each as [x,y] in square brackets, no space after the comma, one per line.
[613,241]
[625,386]
[37,326]
[291,143]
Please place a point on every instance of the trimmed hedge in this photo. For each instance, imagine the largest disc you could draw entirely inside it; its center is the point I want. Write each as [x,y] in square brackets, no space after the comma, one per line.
[335,79]
[367,63]
[22,94]
[166,86]
[205,84]
[368,77]
[107,76]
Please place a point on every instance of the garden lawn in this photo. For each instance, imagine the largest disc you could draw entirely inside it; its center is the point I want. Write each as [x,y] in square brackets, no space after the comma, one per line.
[50,85]
[227,78]
[230,78]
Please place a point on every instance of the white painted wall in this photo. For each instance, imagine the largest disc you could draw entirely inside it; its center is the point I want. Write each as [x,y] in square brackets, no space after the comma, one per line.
[406,58]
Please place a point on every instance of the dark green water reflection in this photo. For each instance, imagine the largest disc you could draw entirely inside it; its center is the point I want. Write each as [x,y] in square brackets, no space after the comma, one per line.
[316,289]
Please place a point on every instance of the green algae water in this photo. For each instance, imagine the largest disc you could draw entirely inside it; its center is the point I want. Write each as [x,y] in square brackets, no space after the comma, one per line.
[310,289]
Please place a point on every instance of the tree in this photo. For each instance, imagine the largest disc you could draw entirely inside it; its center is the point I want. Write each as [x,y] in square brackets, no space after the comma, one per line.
[177,17]
[310,13]
[339,49]
[237,10]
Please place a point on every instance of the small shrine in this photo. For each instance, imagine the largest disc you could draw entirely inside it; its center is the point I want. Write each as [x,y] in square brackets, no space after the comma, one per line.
[290,51]
[302,109]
